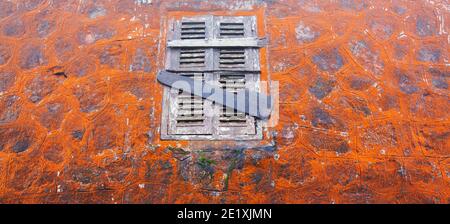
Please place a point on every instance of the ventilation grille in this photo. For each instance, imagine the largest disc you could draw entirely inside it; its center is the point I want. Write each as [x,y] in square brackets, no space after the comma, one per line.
[192,58]
[230,117]
[190,107]
[232,58]
[232,29]
[193,30]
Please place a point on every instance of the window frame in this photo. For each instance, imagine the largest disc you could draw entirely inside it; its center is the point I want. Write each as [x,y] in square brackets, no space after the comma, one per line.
[212,129]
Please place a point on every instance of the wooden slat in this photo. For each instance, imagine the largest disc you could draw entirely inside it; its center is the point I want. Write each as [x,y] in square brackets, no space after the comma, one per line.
[232,42]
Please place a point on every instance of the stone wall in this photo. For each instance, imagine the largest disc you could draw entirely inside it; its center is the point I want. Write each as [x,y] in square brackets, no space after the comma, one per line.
[363,110]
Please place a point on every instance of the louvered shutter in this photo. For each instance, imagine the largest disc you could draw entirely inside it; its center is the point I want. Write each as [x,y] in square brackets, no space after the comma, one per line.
[237,58]
[190,114]
[195,51]
[234,27]
[229,121]
[187,58]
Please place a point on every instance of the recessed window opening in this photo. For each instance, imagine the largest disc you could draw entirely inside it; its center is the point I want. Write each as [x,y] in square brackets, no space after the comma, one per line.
[216,50]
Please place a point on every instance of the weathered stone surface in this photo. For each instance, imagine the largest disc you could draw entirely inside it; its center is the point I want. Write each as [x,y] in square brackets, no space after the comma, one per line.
[91,95]
[77,134]
[64,49]
[84,175]
[101,136]
[45,23]
[429,54]
[19,139]
[53,152]
[382,28]
[328,60]
[284,61]
[321,118]
[6,9]
[342,172]
[5,54]
[322,88]
[29,5]
[82,67]
[32,56]
[111,56]
[363,105]
[425,26]
[434,140]
[389,102]
[51,114]
[406,82]
[21,146]
[360,83]
[96,12]
[393,175]
[93,33]
[381,138]
[41,86]
[356,5]
[439,78]
[14,28]
[355,103]
[305,33]
[10,108]
[321,141]
[7,80]
[369,58]
[140,61]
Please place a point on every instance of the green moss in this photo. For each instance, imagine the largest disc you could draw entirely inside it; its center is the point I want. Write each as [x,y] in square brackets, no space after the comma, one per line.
[206,165]
[231,167]
[205,162]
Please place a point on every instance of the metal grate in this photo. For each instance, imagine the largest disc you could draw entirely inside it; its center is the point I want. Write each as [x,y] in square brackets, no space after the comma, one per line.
[192,58]
[193,30]
[231,29]
[232,58]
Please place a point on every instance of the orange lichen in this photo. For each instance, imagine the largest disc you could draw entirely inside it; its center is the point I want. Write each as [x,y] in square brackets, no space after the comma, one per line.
[363,118]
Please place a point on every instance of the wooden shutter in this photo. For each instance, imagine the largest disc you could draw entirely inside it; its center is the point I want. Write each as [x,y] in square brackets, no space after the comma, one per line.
[236,59]
[195,28]
[190,114]
[219,50]
[230,121]
[187,58]
[190,59]
[234,27]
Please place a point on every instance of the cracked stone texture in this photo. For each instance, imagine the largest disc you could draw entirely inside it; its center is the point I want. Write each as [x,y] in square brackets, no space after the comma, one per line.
[363,112]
